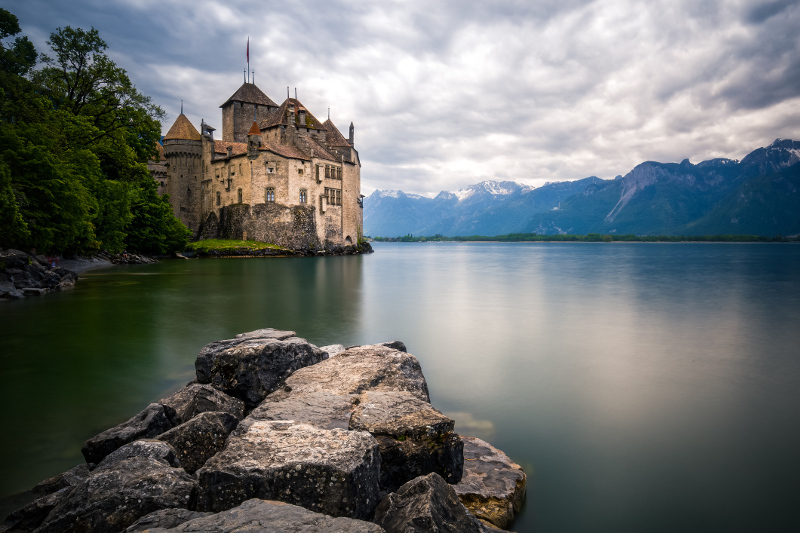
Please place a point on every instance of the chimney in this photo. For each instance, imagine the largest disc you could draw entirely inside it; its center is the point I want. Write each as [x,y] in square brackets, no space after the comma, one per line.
[352,135]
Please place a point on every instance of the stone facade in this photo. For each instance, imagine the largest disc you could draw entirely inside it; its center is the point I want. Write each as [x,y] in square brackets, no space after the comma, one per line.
[278,175]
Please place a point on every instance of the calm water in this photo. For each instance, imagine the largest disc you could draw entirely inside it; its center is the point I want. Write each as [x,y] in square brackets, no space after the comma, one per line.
[643,387]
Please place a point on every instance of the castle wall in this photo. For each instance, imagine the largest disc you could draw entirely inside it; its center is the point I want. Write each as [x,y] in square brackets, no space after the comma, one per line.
[289,226]
[184,164]
[237,117]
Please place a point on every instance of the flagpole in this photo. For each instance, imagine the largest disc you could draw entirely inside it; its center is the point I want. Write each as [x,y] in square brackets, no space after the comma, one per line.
[248,59]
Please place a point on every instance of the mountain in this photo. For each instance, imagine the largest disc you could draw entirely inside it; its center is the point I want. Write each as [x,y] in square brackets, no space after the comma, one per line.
[758,195]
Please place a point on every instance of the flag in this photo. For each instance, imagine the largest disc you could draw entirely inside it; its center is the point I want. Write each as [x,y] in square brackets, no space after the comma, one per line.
[248,49]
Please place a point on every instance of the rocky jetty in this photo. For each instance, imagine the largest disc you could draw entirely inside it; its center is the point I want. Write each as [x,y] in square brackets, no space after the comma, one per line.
[23,275]
[276,434]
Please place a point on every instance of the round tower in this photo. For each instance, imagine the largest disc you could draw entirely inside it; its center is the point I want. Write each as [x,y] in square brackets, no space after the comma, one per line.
[183,151]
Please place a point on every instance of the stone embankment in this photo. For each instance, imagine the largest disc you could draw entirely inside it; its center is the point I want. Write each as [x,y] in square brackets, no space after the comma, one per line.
[303,251]
[276,434]
[23,275]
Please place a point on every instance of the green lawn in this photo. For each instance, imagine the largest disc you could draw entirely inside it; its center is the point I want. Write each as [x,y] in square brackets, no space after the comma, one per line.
[224,245]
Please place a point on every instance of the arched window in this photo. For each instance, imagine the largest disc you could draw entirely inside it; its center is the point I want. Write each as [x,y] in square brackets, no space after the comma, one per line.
[302,196]
[239,194]
[269,194]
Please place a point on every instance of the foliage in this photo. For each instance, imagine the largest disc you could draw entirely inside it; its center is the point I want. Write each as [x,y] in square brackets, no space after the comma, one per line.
[75,136]
[223,245]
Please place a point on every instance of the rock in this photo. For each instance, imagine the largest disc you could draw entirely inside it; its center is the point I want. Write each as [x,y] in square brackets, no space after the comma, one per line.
[361,369]
[254,364]
[397,345]
[334,472]
[33,514]
[270,517]
[320,409]
[70,478]
[333,349]
[199,439]
[33,291]
[426,504]
[164,519]
[197,398]
[154,420]
[9,291]
[157,450]
[113,498]
[493,486]
[415,439]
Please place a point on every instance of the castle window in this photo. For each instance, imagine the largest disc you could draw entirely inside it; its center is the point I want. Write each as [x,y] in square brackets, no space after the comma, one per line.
[239,195]
[334,196]
[240,168]
[299,170]
[317,173]
[327,171]
[219,198]
[269,194]
[232,170]
[302,196]
[217,173]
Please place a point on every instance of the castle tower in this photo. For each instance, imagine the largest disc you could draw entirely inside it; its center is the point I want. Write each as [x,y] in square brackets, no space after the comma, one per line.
[238,112]
[253,141]
[183,151]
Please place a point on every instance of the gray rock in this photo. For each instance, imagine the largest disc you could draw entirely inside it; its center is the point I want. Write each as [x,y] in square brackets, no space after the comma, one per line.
[157,450]
[197,398]
[154,420]
[333,349]
[321,409]
[415,439]
[199,439]
[9,292]
[493,486]
[271,517]
[426,504]
[251,366]
[334,472]
[361,369]
[70,478]
[33,291]
[396,345]
[164,519]
[111,499]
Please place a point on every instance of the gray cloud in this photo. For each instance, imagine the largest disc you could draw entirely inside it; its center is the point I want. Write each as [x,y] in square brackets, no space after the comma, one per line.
[447,93]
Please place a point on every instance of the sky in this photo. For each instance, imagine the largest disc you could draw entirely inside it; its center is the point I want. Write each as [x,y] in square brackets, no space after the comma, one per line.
[447,93]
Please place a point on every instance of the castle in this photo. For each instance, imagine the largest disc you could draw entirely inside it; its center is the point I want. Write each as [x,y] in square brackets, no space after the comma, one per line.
[278,175]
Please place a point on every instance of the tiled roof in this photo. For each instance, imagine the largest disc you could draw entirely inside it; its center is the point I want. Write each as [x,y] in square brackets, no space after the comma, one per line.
[182,129]
[221,147]
[279,117]
[334,136]
[250,94]
[283,150]
[319,150]
[254,129]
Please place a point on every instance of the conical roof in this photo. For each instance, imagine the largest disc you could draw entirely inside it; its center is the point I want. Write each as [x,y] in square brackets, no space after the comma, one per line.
[183,129]
[250,94]
[254,129]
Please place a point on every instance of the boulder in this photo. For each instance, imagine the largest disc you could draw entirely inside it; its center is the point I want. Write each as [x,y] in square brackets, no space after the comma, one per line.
[334,472]
[333,349]
[254,364]
[321,409]
[164,519]
[9,291]
[199,439]
[70,478]
[196,398]
[157,450]
[112,498]
[493,486]
[426,504]
[360,369]
[154,420]
[33,514]
[270,517]
[414,438]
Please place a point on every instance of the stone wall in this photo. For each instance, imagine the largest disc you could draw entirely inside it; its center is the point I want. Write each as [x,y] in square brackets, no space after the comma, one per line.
[292,227]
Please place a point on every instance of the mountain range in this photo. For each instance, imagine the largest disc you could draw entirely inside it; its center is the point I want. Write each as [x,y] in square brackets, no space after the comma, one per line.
[759,195]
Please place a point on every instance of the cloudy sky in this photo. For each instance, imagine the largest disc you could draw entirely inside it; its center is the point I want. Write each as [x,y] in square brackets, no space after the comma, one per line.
[447,93]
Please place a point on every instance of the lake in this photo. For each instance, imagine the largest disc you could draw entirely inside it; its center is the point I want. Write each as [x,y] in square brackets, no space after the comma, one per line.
[642,387]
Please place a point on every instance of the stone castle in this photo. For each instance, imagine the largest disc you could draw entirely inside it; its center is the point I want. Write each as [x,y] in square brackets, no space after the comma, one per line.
[278,175]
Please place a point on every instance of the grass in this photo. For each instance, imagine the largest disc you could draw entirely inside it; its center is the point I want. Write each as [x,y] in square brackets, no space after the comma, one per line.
[224,245]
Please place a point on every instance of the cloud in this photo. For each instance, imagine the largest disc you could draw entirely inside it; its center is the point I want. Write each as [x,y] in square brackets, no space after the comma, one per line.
[445,94]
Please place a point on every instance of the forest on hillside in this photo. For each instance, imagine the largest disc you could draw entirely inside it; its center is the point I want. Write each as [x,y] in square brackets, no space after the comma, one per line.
[75,137]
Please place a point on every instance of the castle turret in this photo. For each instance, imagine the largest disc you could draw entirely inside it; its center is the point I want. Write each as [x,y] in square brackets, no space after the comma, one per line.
[183,151]
[253,141]
[239,110]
